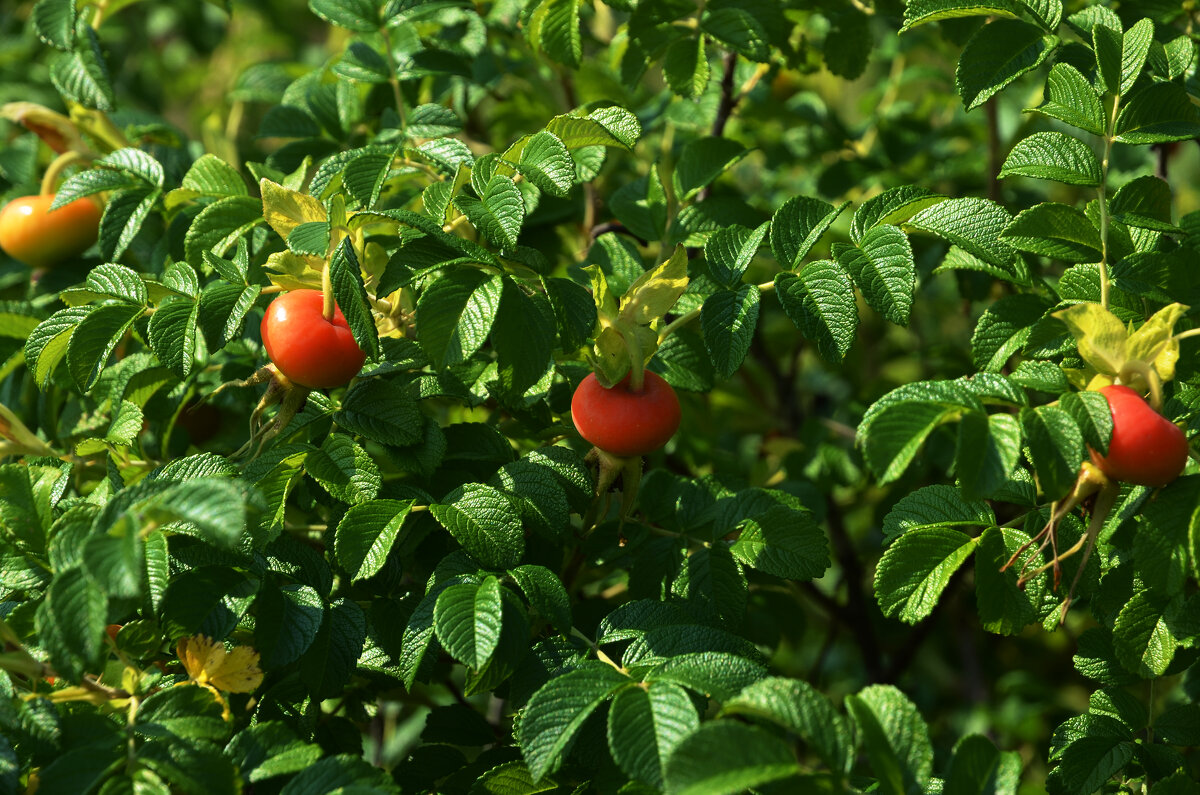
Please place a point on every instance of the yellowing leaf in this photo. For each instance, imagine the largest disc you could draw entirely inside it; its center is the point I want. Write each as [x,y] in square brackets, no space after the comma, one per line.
[1099,335]
[209,664]
[286,209]
[611,361]
[1154,342]
[656,291]
[294,272]
[606,302]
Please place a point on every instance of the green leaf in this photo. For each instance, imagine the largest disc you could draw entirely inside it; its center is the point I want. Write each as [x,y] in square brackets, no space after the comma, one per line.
[919,12]
[729,319]
[1142,636]
[71,622]
[989,449]
[972,224]
[54,21]
[1158,113]
[220,226]
[895,736]
[361,16]
[1055,230]
[1107,44]
[724,757]
[363,64]
[1091,412]
[546,594]
[1071,98]
[783,542]
[884,269]
[484,522]
[1135,48]
[1145,203]
[999,53]
[737,28]
[554,29]
[127,210]
[1048,13]
[172,330]
[896,426]
[893,206]
[915,570]
[685,66]
[1004,328]
[379,411]
[797,226]
[1089,762]
[797,707]
[289,618]
[645,725]
[511,778]
[351,297]
[821,302]
[538,495]
[94,339]
[344,469]
[1053,155]
[455,314]
[467,620]
[730,251]
[1004,607]
[938,506]
[716,675]
[498,214]
[82,74]
[366,534]
[558,709]
[1055,446]
[641,206]
[545,161]
[702,161]
[609,126]
[973,768]
[523,338]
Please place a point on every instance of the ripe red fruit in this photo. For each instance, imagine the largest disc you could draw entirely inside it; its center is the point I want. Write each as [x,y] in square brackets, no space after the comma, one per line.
[623,422]
[1146,448]
[307,348]
[42,239]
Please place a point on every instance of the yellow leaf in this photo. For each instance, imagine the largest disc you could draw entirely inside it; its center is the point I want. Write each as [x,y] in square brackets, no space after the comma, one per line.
[286,209]
[294,272]
[611,361]
[1099,335]
[656,291]
[1154,342]
[606,301]
[208,663]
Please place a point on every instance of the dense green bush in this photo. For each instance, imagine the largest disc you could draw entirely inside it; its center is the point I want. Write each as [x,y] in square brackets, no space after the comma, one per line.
[887,254]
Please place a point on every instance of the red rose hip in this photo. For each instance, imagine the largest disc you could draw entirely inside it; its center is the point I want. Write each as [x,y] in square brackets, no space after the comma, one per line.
[307,348]
[623,422]
[1146,448]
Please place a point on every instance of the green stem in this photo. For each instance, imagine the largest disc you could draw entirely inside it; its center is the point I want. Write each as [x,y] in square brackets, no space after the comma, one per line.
[55,170]
[329,305]
[1109,138]
[393,79]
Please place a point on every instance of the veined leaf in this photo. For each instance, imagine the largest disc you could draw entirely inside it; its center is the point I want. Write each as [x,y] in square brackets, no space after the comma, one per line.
[999,53]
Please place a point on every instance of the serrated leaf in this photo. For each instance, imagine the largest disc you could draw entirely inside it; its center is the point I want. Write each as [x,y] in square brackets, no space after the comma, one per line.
[545,161]
[783,542]
[1071,98]
[366,534]
[895,737]
[725,757]
[730,251]
[484,522]
[895,428]
[344,469]
[702,161]
[999,53]
[123,217]
[558,709]
[796,706]
[821,302]
[685,66]
[95,338]
[467,620]
[554,29]
[1053,155]
[1004,328]
[455,314]
[54,21]
[172,331]
[361,16]
[82,75]
[379,411]
[646,725]
[729,320]
[610,126]
[1055,230]
[914,571]
[498,214]
[920,12]
[893,206]
[220,225]
[737,28]
[883,267]
[350,295]
[973,224]
[1142,636]
[1158,113]
[362,63]
[546,594]
[1055,446]
[989,448]
[797,226]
